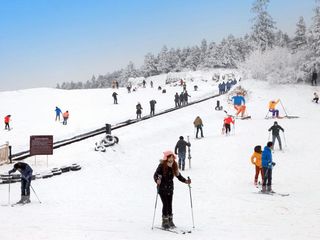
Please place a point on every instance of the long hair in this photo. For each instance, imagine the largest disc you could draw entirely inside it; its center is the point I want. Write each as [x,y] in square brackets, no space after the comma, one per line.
[174,168]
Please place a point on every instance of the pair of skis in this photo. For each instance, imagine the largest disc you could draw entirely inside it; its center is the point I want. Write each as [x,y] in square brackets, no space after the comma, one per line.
[174,230]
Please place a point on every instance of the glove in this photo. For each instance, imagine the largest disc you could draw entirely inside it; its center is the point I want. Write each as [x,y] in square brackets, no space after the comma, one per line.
[273,163]
[158,182]
[11,171]
[188,181]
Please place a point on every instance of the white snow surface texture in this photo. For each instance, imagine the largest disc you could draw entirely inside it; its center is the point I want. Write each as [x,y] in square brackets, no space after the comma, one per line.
[113,195]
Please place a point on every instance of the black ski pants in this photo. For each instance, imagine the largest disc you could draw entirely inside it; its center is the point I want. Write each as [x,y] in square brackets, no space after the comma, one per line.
[199,128]
[166,199]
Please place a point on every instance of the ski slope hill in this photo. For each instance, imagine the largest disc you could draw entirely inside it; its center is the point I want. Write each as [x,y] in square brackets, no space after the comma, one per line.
[113,195]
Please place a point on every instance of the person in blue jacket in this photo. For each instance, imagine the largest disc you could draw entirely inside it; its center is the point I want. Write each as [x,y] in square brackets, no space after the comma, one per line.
[26,177]
[58,113]
[267,165]
[239,104]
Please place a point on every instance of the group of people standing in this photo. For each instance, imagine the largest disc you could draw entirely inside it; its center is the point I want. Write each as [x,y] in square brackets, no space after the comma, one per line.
[181,99]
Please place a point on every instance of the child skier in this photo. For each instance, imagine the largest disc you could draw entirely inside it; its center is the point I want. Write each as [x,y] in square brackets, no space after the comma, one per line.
[256,160]
[227,123]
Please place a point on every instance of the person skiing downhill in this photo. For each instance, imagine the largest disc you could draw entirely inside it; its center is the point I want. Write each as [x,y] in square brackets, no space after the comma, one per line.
[316,97]
[256,160]
[239,104]
[181,149]
[163,176]
[26,177]
[267,165]
[275,129]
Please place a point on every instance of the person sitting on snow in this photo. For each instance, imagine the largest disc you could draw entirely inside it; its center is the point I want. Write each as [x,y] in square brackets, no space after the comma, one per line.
[316,97]
[239,104]
[272,108]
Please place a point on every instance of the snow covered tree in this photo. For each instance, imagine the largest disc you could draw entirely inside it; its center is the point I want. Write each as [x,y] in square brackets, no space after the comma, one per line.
[163,65]
[315,34]
[193,60]
[299,41]
[263,26]
[150,66]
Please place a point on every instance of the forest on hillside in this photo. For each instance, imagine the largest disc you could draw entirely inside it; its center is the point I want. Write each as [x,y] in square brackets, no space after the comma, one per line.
[266,53]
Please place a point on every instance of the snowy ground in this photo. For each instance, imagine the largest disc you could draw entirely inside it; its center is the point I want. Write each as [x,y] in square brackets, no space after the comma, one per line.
[113,195]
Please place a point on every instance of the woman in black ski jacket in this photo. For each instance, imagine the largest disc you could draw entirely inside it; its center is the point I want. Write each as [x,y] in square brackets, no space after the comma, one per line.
[167,169]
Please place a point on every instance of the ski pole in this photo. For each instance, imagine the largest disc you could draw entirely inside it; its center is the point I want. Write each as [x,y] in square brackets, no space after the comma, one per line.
[155,205]
[266,117]
[191,202]
[35,193]
[283,108]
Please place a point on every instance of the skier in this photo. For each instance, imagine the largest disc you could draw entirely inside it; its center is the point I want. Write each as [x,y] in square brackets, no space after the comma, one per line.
[139,110]
[198,124]
[181,149]
[152,105]
[275,134]
[151,84]
[256,160]
[26,177]
[115,99]
[267,165]
[163,176]
[272,108]
[65,116]
[6,122]
[58,113]
[144,83]
[316,97]
[239,104]
[227,124]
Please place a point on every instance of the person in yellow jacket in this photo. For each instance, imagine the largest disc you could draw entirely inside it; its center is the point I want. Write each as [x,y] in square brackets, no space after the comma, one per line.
[272,108]
[256,160]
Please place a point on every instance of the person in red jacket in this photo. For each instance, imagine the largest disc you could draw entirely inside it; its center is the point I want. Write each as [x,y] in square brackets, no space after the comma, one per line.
[6,122]
[227,123]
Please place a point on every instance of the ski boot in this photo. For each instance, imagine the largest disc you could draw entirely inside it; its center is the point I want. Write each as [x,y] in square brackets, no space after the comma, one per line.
[27,199]
[264,189]
[269,189]
[165,222]
[21,201]
[171,224]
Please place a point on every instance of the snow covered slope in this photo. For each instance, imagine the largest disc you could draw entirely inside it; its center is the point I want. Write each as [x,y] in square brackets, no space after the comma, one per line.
[113,195]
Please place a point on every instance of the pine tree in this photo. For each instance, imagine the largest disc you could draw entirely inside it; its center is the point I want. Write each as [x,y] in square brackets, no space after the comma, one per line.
[263,27]
[299,41]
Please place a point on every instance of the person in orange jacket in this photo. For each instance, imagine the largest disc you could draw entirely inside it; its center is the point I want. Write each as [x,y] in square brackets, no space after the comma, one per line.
[256,160]
[65,117]
[227,123]
[6,122]
[272,108]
